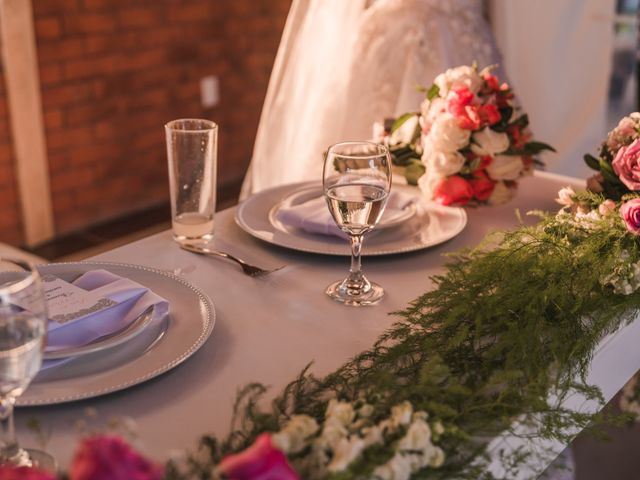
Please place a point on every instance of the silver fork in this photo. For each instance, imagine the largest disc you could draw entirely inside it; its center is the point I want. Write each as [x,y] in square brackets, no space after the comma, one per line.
[248,269]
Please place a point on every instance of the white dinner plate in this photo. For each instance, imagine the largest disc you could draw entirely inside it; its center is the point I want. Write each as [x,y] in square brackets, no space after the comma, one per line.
[159,347]
[430,224]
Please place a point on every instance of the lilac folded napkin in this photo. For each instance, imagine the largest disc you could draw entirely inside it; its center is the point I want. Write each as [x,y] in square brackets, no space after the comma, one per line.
[130,300]
[313,216]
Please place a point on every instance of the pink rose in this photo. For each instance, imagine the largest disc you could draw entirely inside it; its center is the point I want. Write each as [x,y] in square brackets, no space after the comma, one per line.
[482,185]
[630,212]
[453,189]
[104,457]
[626,165]
[8,472]
[261,461]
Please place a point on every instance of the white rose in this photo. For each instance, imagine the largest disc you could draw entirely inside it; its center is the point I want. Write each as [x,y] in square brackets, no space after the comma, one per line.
[444,164]
[345,452]
[446,134]
[505,167]
[463,76]
[341,411]
[430,109]
[404,134]
[292,438]
[565,196]
[501,194]
[401,413]
[428,183]
[489,142]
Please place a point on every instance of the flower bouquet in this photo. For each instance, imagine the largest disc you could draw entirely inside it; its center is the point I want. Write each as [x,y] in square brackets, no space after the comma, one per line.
[618,168]
[467,143]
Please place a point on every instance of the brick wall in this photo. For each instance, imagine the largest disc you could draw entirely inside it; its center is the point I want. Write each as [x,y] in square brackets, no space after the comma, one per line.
[113,72]
[10,214]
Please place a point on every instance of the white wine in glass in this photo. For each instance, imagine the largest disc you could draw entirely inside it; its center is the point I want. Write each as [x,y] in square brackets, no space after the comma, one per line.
[23,327]
[356,182]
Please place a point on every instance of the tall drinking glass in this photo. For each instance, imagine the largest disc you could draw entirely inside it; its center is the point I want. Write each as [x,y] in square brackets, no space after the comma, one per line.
[356,183]
[23,326]
[192,146]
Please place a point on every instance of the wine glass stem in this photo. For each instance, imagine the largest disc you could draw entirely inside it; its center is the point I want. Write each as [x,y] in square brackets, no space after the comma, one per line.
[355,272]
[8,444]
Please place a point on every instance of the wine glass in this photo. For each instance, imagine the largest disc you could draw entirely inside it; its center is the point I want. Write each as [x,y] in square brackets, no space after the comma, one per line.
[23,326]
[356,184]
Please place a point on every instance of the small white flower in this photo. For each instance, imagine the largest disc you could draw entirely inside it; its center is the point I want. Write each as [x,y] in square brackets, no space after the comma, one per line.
[332,432]
[437,427]
[421,415]
[437,458]
[463,76]
[565,196]
[401,413]
[501,194]
[341,411]
[398,468]
[345,452]
[505,167]
[418,436]
[293,437]
[365,411]
[372,436]
[606,207]
[446,135]
[489,142]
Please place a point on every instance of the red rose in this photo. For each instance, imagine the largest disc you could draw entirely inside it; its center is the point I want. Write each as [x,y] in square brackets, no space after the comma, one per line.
[261,461]
[8,472]
[492,81]
[104,457]
[482,185]
[453,189]
[489,114]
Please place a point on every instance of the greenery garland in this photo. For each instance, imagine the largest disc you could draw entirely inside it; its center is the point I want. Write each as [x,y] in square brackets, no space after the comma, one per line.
[508,324]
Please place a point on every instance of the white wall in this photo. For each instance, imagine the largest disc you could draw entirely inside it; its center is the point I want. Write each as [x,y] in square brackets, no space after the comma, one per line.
[558,55]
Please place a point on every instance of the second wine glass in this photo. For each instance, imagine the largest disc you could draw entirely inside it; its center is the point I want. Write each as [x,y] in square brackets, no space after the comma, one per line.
[23,326]
[356,185]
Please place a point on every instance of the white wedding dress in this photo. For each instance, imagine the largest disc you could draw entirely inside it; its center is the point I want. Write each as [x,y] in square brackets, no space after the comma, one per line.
[343,65]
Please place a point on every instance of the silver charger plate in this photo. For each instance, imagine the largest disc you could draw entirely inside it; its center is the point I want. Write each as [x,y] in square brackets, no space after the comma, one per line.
[161,346]
[430,224]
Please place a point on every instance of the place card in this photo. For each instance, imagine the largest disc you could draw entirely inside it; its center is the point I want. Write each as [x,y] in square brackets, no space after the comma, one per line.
[67,303]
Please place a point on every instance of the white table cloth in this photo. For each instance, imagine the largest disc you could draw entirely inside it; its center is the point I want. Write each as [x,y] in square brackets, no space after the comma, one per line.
[268,329]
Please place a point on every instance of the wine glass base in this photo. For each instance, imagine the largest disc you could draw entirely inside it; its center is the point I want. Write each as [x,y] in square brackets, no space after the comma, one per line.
[356,298]
[29,457]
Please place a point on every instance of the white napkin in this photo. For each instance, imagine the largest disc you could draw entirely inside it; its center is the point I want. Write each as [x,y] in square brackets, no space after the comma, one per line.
[313,216]
[131,300]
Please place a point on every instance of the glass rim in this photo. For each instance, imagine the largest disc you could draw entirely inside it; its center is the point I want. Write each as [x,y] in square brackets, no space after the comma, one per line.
[32,277]
[210,125]
[382,149]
